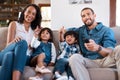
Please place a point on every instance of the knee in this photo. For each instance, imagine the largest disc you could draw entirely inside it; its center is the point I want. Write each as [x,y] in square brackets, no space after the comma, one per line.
[63,60]
[23,43]
[8,57]
[116,53]
[76,58]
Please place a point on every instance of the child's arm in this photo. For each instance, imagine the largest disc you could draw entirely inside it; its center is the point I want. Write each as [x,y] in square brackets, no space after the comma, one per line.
[35,43]
[62,49]
[61,34]
[53,55]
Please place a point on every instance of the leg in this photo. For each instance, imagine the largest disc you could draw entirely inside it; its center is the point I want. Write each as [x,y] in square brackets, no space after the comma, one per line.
[79,66]
[7,49]
[60,65]
[6,68]
[111,60]
[69,71]
[117,58]
[40,60]
[19,59]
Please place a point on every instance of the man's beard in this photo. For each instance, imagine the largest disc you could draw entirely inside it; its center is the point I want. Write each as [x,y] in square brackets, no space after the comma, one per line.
[89,24]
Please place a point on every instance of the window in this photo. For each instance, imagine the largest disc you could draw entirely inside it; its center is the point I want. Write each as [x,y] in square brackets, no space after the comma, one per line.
[117,13]
[46,15]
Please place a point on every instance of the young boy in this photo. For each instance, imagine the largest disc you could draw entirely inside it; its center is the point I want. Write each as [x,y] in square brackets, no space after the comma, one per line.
[68,46]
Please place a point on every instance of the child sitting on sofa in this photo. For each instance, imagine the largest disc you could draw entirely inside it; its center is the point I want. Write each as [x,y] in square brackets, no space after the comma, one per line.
[68,47]
[44,52]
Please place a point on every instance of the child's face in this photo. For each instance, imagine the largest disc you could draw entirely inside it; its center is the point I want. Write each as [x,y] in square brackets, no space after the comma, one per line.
[70,39]
[45,35]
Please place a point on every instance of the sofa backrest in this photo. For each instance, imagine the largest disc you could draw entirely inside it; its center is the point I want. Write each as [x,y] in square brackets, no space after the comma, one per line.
[116,31]
[3,37]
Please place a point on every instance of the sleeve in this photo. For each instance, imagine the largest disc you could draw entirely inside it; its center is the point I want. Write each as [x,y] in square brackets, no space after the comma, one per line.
[53,55]
[109,39]
[62,48]
[35,43]
[61,45]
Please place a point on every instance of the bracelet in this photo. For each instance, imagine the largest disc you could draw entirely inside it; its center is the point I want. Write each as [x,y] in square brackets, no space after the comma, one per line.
[99,49]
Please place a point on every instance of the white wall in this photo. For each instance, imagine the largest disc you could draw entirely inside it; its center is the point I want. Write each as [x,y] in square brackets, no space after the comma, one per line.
[68,15]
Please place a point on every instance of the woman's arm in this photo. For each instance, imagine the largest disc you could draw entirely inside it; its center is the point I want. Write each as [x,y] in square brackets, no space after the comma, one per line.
[11,32]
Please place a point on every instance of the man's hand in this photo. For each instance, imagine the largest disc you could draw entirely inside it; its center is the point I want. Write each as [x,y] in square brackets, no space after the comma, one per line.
[92,46]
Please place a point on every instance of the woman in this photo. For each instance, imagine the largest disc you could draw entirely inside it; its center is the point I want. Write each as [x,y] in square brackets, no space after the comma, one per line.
[16,55]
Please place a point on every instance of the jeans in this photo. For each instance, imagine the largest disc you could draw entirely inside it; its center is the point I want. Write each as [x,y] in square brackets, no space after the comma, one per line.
[13,57]
[62,65]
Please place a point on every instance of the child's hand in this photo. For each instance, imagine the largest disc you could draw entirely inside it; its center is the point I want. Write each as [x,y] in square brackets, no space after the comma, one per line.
[51,64]
[62,30]
[61,34]
[37,31]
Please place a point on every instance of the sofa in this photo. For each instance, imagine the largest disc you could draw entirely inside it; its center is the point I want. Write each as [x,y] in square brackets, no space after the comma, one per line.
[95,73]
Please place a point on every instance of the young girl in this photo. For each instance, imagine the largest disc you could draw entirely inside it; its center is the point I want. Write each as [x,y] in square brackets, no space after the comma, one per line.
[44,52]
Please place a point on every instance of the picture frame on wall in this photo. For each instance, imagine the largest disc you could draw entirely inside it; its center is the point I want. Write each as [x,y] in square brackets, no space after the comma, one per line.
[80,1]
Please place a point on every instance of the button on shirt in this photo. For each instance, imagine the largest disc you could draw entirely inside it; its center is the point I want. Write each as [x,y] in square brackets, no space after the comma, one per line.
[101,34]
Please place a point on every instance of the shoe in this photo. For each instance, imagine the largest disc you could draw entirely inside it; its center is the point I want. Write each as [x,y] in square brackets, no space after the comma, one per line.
[42,69]
[63,78]
[71,78]
[57,75]
[35,78]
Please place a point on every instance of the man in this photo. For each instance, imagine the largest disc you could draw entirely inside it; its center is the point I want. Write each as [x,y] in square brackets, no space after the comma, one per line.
[96,42]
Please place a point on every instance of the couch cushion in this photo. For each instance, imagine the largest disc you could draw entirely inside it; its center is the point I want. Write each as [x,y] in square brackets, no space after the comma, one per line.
[30,72]
[103,74]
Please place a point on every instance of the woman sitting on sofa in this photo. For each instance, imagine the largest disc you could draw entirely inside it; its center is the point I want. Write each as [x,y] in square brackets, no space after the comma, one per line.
[16,55]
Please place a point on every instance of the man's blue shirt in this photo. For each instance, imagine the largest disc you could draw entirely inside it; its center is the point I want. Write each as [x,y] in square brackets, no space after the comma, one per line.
[101,34]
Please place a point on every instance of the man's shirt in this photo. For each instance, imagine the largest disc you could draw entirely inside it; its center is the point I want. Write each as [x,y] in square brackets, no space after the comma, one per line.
[101,34]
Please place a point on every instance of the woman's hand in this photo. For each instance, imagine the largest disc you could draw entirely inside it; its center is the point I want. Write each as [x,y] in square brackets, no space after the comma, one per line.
[18,38]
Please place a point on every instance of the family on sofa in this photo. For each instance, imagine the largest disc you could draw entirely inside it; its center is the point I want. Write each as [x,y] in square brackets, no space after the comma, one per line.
[96,48]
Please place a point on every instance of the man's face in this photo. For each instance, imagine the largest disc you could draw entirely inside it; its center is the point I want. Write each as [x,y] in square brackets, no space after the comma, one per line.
[88,17]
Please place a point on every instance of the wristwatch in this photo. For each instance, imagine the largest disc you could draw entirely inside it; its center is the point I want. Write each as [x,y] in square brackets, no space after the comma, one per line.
[99,49]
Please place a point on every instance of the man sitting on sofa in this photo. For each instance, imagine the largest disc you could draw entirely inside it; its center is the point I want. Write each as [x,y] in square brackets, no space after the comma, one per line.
[96,43]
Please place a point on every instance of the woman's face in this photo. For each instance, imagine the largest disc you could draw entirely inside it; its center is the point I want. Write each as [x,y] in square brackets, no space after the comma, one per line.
[30,14]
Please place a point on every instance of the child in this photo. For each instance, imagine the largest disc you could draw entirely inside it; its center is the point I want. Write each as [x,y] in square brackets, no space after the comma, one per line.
[44,52]
[68,47]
